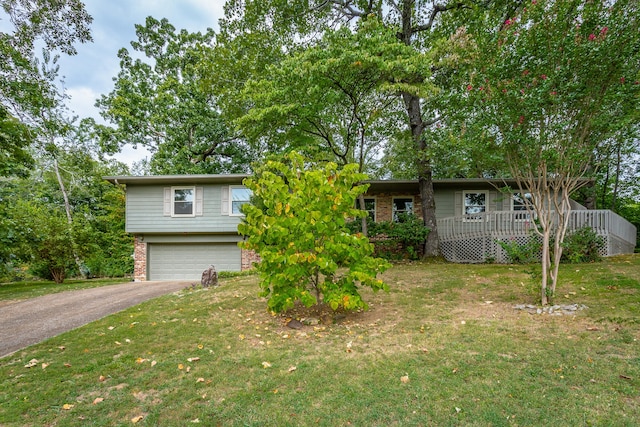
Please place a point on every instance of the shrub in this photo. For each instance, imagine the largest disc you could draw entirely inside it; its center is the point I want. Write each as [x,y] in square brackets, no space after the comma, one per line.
[395,240]
[518,253]
[582,245]
[297,224]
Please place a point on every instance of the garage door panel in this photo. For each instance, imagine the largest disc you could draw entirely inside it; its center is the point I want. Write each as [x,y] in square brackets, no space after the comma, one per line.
[187,261]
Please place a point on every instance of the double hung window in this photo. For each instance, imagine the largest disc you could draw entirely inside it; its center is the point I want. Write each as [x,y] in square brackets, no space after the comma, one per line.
[183,201]
[519,204]
[474,204]
[239,196]
[401,206]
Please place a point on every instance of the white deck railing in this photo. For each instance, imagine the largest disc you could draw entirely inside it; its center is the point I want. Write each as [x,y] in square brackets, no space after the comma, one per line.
[500,224]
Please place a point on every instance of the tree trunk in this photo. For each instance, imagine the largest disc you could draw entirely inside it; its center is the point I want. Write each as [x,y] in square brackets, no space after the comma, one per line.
[617,179]
[425,176]
[546,259]
[67,208]
[365,232]
[417,126]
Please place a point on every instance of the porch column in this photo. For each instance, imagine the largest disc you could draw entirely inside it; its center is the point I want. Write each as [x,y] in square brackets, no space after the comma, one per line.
[139,259]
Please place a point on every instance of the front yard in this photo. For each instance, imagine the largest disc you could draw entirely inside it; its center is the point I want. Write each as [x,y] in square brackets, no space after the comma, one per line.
[444,347]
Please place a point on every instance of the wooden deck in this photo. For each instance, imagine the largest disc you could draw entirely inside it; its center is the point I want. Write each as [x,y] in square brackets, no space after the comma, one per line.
[472,238]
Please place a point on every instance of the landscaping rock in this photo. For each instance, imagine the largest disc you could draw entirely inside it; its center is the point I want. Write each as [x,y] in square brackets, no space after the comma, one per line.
[209,277]
[555,310]
[295,324]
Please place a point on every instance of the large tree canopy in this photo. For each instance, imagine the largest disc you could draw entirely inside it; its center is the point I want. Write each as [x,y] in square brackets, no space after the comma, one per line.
[159,102]
[337,100]
[299,24]
[26,82]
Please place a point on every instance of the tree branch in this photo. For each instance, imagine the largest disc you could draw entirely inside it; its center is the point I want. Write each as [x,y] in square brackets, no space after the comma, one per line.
[438,8]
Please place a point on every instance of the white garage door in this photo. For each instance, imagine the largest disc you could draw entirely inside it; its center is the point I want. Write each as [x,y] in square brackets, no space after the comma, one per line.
[187,261]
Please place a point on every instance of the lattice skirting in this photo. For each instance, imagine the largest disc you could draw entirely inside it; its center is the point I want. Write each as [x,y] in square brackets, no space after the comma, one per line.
[487,249]
[471,250]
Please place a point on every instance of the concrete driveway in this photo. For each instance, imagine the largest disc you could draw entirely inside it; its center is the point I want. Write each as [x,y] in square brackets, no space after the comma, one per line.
[27,322]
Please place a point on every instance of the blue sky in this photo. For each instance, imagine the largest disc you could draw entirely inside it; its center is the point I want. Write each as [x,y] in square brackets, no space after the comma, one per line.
[89,74]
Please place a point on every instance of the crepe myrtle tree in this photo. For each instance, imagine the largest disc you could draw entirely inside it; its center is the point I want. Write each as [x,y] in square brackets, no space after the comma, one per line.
[555,84]
[297,223]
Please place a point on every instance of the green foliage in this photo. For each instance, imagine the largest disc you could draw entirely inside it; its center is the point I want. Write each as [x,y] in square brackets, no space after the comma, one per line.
[97,208]
[26,86]
[582,245]
[337,100]
[518,253]
[14,140]
[44,240]
[297,224]
[396,239]
[160,102]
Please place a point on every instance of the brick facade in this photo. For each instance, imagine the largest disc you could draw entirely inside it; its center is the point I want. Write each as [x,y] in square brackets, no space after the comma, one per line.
[248,258]
[384,205]
[139,259]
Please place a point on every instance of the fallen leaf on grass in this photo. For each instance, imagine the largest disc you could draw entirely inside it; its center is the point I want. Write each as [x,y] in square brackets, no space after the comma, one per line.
[140,360]
[67,406]
[153,363]
[102,378]
[200,380]
[193,359]
[97,400]
[404,379]
[292,368]
[180,366]
[62,348]
[67,365]
[266,364]
[44,365]
[137,419]
[592,328]
[32,363]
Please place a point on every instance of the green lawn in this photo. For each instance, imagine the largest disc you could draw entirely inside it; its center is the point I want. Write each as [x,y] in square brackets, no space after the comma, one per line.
[444,347]
[36,288]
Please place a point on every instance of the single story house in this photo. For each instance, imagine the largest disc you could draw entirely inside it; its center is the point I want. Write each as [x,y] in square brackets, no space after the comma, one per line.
[184,223]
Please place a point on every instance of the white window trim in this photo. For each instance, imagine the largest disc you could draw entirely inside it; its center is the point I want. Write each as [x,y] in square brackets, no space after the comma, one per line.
[465,216]
[173,202]
[393,199]
[231,188]
[375,207]
[526,212]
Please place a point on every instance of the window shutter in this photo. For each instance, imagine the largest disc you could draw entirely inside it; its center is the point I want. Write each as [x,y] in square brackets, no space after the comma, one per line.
[199,201]
[457,204]
[167,201]
[225,200]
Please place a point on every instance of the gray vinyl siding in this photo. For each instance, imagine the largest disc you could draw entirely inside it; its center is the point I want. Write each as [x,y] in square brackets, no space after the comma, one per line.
[145,212]
[445,203]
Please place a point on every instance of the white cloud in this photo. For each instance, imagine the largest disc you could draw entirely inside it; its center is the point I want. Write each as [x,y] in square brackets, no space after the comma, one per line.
[82,102]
